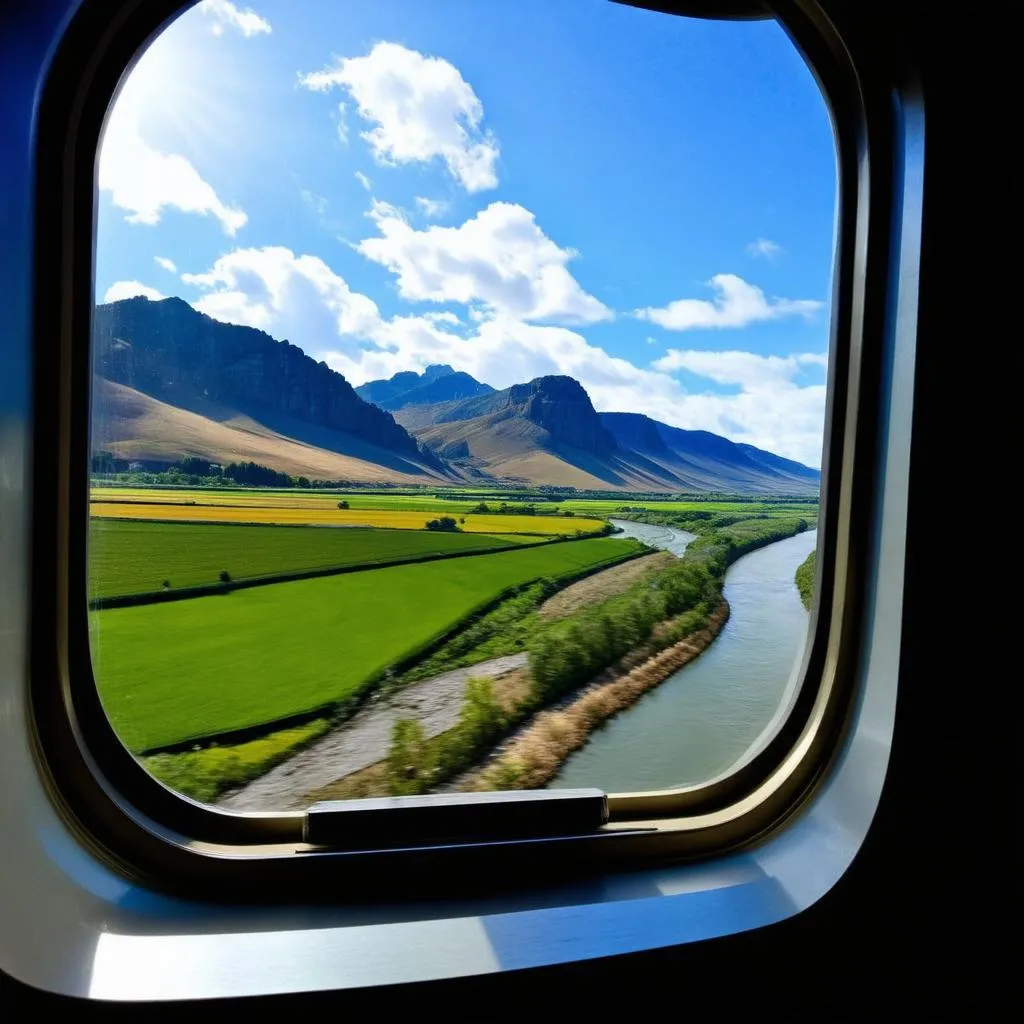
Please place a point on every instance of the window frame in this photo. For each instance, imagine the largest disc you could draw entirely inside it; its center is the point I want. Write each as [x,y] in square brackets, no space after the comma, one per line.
[150,834]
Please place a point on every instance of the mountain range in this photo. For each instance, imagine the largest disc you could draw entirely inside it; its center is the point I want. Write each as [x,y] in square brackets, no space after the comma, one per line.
[171,381]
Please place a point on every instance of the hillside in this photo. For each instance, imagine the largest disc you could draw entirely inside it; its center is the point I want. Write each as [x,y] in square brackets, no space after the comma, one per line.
[543,432]
[548,432]
[172,382]
[175,382]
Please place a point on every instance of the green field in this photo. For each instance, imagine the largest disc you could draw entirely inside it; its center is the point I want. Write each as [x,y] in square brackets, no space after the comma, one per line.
[128,557]
[186,669]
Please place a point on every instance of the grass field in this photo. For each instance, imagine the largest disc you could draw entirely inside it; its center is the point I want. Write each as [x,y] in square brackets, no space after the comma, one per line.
[172,672]
[330,515]
[127,557]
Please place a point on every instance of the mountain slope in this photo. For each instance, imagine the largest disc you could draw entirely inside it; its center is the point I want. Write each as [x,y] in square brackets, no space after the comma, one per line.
[542,432]
[136,426]
[437,383]
[245,380]
[547,432]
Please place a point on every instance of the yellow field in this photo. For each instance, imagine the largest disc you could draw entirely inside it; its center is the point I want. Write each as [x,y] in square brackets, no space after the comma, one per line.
[321,514]
[238,499]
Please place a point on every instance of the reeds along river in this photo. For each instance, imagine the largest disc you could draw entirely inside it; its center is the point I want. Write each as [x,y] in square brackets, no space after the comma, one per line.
[702,719]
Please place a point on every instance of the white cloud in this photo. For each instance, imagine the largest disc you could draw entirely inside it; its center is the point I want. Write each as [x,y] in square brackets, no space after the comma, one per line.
[736,304]
[431,207]
[143,181]
[163,261]
[421,108]
[364,180]
[750,371]
[764,247]
[500,258]
[294,297]
[226,15]
[128,290]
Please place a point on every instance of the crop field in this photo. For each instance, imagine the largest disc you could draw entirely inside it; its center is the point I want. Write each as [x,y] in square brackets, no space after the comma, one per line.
[326,501]
[331,515]
[172,672]
[128,557]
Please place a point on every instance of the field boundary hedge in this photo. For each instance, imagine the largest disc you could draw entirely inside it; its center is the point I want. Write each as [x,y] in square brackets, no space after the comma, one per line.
[343,709]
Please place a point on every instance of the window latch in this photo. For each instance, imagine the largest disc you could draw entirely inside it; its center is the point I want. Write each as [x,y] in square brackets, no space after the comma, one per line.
[453,817]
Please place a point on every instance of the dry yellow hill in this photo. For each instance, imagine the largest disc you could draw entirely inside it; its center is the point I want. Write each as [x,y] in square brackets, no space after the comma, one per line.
[133,425]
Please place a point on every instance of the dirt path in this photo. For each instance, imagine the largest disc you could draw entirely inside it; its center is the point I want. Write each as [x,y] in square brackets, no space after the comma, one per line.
[602,585]
[365,739]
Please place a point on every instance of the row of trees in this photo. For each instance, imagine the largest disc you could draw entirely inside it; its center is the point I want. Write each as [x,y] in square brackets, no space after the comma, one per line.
[573,650]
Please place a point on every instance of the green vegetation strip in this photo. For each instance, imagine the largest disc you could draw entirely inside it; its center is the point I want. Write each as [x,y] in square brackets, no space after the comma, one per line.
[805,580]
[128,557]
[206,774]
[170,673]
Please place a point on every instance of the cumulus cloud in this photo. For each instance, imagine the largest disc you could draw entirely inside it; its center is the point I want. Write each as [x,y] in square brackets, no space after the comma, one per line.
[129,290]
[431,207]
[298,297]
[748,370]
[143,181]
[421,109]
[499,259]
[764,247]
[165,263]
[226,15]
[736,304]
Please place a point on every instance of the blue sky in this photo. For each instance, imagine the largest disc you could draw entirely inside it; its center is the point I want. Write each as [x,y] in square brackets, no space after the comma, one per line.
[515,187]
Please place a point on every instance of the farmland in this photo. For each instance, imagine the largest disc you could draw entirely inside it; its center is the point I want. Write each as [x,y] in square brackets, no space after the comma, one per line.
[326,502]
[130,557]
[173,672]
[328,514]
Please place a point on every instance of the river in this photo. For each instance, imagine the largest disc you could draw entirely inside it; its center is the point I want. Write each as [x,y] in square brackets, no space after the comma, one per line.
[700,721]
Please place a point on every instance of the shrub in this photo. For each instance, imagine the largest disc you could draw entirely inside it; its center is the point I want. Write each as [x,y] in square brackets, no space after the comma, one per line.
[408,767]
[445,523]
[225,576]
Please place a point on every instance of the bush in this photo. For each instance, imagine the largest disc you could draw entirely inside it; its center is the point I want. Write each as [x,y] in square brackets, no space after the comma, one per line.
[343,504]
[408,768]
[445,523]
[225,576]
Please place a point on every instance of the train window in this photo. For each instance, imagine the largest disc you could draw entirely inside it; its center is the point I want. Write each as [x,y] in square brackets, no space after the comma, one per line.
[457,435]
[210,312]
[433,403]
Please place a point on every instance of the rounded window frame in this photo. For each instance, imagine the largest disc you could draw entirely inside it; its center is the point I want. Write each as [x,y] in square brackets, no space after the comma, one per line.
[164,839]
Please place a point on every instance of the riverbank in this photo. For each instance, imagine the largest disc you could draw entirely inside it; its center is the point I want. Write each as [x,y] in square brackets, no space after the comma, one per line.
[805,580]
[533,757]
[363,741]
